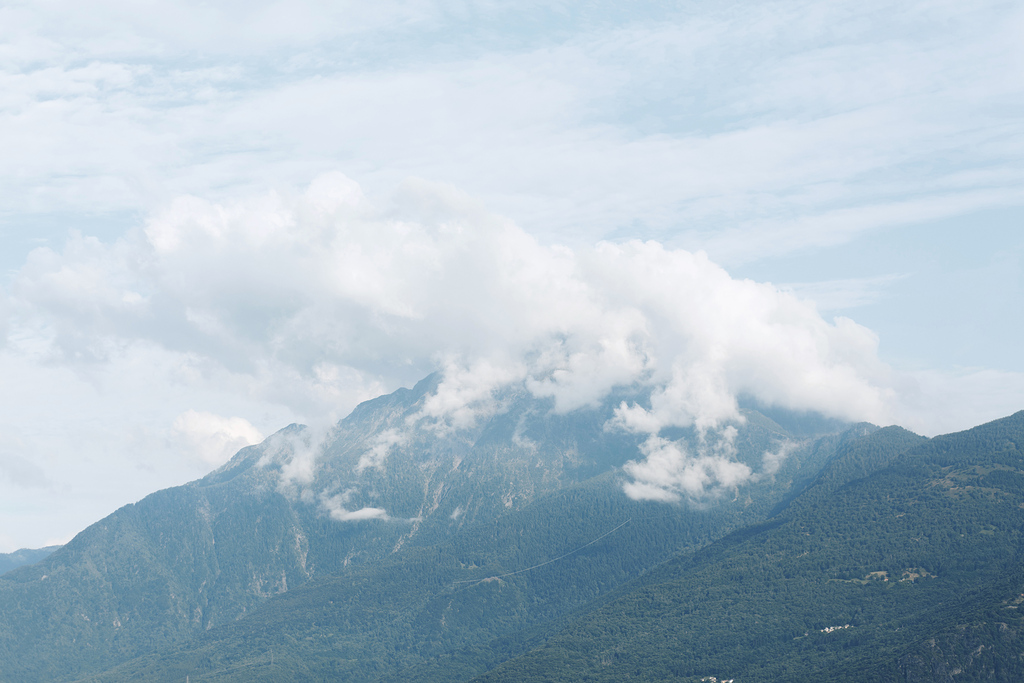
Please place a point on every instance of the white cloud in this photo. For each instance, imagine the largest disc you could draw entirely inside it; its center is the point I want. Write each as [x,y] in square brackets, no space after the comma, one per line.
[380,449]
[303,296]
[315,300]
[670,473]
[466,393]
[772,460]
[296,453]
[782,128]
[753,133]
[213,438]
[343,515]
[335,507]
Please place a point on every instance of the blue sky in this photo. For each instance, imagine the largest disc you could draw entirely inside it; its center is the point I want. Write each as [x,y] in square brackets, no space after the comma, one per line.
[862,156]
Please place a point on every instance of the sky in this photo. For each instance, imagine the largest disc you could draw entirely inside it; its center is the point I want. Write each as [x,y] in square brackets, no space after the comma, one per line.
[217,219]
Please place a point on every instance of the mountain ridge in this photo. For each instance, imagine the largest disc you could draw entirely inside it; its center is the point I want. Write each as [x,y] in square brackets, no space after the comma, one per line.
[214,553]
[386,548]
[934,586]
[24,556]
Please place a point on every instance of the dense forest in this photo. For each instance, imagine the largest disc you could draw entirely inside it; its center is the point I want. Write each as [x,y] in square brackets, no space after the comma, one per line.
[901,561]
[512,554]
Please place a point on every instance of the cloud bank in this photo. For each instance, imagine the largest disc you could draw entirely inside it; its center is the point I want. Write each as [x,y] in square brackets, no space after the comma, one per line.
[310,298]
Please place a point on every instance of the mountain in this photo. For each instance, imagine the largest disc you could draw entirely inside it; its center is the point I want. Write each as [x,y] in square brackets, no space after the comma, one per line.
[20,558]
[900,561]
[389,546]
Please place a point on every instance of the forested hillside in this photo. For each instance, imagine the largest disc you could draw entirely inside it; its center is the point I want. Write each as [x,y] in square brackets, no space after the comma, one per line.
[509,551]
[901,562]
[25,556]
[360,554]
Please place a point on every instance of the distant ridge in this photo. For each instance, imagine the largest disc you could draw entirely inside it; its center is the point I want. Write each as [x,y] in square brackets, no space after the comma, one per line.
[24,556]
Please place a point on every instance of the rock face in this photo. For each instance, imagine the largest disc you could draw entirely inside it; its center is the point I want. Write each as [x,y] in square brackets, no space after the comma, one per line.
[383,543]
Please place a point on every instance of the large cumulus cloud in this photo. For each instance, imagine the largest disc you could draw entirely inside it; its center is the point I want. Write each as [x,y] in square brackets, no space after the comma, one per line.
[316,299]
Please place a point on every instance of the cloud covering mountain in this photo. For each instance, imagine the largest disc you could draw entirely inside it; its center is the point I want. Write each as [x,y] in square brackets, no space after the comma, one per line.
[315,299]
[323,294]
[184,271]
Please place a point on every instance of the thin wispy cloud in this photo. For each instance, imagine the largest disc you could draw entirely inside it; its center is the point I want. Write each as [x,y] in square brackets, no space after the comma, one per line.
[841,295]
[721,120]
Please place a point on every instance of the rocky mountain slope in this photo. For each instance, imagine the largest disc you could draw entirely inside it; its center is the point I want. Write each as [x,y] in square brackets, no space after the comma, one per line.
[385,544]
[901,561]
